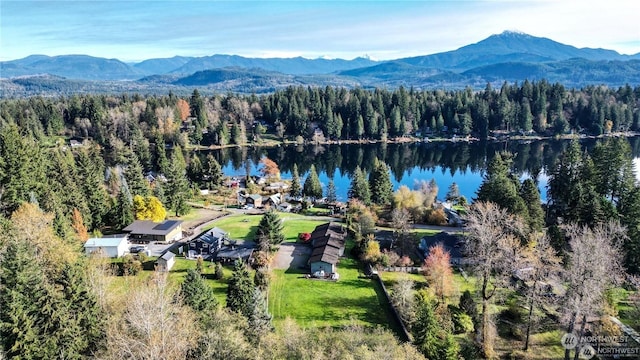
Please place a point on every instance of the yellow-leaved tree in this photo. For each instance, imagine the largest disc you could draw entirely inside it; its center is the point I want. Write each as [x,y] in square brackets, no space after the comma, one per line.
[148,208]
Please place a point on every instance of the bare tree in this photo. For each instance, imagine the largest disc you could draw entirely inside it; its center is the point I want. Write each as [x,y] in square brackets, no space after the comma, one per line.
[401,222]
[494,251]
[403,300]
[153,326]
[437,270]
[594,265]
[544,269]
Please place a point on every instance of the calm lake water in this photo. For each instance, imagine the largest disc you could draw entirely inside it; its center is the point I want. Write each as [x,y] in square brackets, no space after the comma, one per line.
[446,162]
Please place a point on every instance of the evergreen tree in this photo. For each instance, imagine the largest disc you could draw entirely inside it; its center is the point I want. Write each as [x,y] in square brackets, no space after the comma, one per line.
[499,187]
[359,187]
[195,171]
[380,183]
[296,189]
[177,192]
[312,186]
[270,228]
[240,290]
[531,197]
[138,185]
[91,165]
[332,197]
[430,337]
[453,193]
[196,293]
[212,173]
[259,316]
[123,209]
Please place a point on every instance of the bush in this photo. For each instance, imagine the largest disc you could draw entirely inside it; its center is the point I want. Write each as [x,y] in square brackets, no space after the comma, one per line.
[462,323]
[131,266]
[305,237]
[219,273]
[437,217]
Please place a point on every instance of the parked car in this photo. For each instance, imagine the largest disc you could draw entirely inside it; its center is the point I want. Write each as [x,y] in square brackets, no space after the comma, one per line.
[138,248]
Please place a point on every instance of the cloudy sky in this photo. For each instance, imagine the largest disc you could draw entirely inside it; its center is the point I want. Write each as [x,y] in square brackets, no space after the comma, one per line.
[142,29]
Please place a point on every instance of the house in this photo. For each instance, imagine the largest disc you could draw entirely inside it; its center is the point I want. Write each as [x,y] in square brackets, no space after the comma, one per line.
[254,199]
[207,244]
[324,260]
[277,186]
[166,261]
[272,201]
[328,242]
[75,143]
[111,246]
[285,207]
[148,231]
[452,243]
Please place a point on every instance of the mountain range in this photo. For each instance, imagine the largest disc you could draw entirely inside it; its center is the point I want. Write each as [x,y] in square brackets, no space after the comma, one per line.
[509,56]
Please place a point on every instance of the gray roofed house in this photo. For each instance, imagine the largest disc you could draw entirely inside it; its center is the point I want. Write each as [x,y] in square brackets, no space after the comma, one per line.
[452,243]
[148,231]
[207,243]
[328,242]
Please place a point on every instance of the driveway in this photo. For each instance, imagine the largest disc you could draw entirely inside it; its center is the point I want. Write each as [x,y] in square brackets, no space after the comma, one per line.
[292,256]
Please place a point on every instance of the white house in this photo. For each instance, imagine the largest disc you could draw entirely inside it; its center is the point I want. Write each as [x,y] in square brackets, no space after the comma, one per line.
[113,247]
[166,261]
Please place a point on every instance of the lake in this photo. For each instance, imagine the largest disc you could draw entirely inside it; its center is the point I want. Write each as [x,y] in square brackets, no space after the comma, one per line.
[461,162]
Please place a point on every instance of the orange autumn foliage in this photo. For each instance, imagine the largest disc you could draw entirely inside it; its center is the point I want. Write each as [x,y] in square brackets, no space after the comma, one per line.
[183,109]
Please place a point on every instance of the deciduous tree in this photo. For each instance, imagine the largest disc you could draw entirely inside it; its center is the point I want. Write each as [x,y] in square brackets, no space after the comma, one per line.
[494,250]
[437,270]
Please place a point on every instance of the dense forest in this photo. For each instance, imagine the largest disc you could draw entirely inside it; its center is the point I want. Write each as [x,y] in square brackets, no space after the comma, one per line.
[70,166]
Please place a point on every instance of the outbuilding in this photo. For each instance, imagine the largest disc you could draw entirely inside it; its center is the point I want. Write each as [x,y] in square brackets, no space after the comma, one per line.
[148,231]
[166,261]
[111,246]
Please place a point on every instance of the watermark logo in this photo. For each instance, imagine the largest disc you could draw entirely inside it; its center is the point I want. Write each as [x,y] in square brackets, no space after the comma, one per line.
[587,347]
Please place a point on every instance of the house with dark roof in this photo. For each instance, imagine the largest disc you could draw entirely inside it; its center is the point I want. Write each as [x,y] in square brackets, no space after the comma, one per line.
[207,244]
[453,244]
[149,231]
[328,242]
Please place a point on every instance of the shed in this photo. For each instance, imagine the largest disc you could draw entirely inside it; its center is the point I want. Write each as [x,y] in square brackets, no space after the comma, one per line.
[324,259]
[166,261]
[112,246]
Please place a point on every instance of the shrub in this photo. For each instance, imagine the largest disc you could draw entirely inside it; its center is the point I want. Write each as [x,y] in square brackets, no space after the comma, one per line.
[219,273]
[305,237]
[462,323]
[437,217]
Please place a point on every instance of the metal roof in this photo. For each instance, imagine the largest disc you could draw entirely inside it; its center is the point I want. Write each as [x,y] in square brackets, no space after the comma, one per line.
[104,242]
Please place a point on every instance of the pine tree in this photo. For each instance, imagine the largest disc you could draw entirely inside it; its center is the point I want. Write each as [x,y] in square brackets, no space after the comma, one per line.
[138,185]
[196,293]
[91,165]
[212,173]
[430,337]
[177,192]
[123,210]
[312,186]
[453,193]
[195,171]
[296,189]
[380,183]
[259,316]
[332,197]
[531,197]
[359,187]
[240,290]
[270,228]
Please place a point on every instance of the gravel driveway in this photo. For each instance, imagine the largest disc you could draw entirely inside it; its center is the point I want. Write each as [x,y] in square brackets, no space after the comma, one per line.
[292,256]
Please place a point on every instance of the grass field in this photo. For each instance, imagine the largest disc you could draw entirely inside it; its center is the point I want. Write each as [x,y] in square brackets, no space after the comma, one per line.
[351,299]
[244,227]
[121,284]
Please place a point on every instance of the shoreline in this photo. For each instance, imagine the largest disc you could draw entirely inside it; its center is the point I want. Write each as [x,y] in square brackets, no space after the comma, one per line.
[407,140]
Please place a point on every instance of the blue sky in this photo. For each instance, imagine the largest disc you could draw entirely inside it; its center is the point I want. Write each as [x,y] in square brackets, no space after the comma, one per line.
[138,30]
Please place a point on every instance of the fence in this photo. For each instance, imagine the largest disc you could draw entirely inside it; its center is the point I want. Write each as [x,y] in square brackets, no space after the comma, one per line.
[406,336]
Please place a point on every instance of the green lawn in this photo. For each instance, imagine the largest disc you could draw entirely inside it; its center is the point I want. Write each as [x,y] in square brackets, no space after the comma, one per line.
[121,284]
[244,227]
[326,303]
